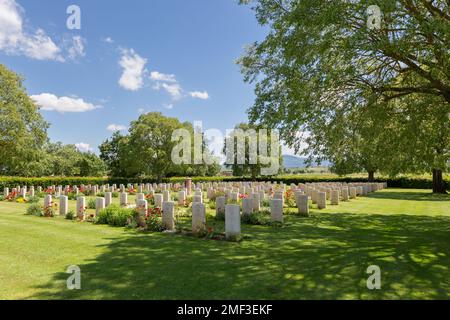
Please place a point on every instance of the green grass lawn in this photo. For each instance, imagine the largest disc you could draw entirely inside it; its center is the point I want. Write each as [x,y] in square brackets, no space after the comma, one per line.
[325,256]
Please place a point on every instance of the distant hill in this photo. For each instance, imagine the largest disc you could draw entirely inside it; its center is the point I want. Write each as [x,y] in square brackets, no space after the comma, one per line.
[298,162]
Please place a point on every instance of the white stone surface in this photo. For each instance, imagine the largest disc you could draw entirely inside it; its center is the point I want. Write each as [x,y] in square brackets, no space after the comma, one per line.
[168,215]
[198,217]
[276,210]
[232,221]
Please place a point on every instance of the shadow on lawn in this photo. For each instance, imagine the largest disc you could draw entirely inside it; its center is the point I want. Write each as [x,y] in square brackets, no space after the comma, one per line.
[322,257]
[409,196]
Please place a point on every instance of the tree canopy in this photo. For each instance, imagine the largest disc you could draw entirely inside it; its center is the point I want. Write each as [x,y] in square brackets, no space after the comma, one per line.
[147,150]
[23,131]
[322,71]
[24,146]
[247,143]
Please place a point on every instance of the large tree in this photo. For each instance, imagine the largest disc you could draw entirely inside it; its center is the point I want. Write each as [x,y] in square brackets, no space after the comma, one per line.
[321,60]
[253,158]
[147,150]
[114,152]
[23,131]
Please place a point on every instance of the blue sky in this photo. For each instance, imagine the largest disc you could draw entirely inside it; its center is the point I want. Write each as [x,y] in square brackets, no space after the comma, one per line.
[129,57]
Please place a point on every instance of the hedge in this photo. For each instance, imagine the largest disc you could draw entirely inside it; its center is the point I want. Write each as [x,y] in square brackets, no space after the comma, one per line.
[402,182]
[12,182]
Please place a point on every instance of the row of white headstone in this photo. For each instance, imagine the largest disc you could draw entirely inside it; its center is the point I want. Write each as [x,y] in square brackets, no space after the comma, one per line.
[257,192]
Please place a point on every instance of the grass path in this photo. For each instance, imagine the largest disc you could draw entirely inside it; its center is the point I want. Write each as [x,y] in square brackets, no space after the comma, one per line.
[405,232]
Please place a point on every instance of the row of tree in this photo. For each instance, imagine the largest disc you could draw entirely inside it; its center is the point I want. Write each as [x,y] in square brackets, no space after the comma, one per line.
[146,150]
[366,98]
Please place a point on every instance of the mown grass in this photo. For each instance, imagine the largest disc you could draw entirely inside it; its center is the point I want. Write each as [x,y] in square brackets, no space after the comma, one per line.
[325,256]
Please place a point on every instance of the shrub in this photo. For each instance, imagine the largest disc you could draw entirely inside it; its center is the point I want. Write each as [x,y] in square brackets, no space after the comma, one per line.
[220,215]
[261,218]
[91,204]
[21,200]
[289,199]
[266,203]
[216,195]
[33,199]
[154,223]
[12,182]
[115,216]
[2,198]
[35,210]
[40,194]
[49,211]
[71,215]
[150,199]
[399,182]
[73,196]
[188,201]
[115,194]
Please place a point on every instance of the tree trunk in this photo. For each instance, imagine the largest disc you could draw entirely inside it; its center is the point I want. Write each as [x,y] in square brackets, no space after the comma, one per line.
[371,176]
[438,182]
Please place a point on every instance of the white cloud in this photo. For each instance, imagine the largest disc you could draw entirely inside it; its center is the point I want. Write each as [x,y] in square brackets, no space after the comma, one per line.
[141,110]
[76,48]
[133,70]
[14,40]
[157,76]
[199,95]
[50,102]
[108,40]
[174,90]
[169,83]
[116,127]
[83,147]
[168,106]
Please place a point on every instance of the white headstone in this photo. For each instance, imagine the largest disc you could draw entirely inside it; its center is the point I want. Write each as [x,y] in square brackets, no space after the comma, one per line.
[63,205]
[276,210]
[321,200]
[334,197]
[220,206]
[108,199]
[158,200]
[352,191]
[344,194]
[256,202]
[302,204]
[168,215]
[247,205]
[48,201]
[142,207]
[232,221]
[198,217]
[124,199]
[181,198]
[140,196]
[81,207]
[99,205]
[166,196]
[197,199]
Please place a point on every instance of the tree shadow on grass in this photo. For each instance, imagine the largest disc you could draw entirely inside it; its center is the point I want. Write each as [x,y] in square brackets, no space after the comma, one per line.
[322,257]
[409,196]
